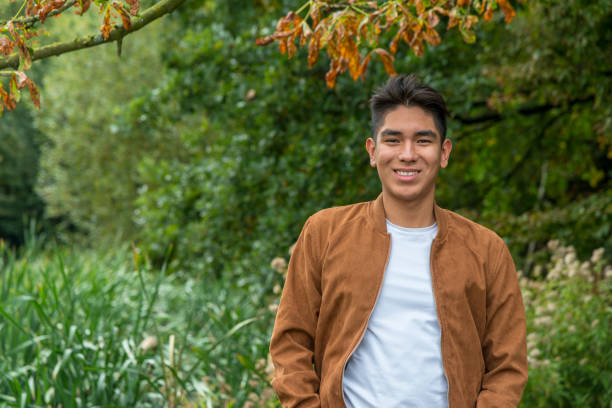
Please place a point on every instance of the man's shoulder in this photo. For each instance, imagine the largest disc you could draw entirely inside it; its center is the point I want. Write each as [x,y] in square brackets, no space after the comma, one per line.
[343,213]
[469,231]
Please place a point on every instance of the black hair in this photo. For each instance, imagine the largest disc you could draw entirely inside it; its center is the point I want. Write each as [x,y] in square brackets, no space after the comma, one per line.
[405,90]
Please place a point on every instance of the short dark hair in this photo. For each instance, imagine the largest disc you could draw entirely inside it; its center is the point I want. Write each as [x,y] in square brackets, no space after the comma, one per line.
[405,90]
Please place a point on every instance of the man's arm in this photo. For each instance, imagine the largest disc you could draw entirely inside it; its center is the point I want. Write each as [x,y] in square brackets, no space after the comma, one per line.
[504,344]
[292,344]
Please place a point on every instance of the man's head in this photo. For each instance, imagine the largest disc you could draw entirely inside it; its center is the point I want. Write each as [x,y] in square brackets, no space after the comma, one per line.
[405,90]
[408,144]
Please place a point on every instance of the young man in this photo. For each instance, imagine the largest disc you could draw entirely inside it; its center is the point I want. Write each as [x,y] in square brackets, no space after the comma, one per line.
[397,302]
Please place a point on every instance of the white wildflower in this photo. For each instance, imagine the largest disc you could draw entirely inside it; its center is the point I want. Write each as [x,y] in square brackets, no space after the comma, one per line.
[148,343]
[597,255]
[279,264]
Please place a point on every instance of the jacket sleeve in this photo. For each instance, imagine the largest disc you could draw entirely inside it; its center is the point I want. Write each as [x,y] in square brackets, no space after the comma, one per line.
[504,344]
[292,344]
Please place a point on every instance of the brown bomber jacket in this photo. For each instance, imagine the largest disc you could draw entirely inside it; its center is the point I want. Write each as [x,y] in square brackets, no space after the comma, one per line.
[335,274]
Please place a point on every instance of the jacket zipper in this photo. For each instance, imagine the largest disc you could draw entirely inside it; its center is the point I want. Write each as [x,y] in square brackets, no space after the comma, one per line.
[439,321]
[367,321]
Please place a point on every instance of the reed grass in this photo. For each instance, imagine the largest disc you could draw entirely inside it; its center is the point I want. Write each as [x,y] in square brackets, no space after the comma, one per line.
[84,329]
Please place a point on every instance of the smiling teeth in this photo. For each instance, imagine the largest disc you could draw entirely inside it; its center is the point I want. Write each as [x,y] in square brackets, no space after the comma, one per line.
[407,173]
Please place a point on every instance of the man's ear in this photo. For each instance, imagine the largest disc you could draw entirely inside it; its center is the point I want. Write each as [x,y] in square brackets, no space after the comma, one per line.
[371,148]
[447,146]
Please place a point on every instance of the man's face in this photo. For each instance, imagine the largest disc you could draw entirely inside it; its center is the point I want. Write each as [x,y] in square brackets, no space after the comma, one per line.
[408,154]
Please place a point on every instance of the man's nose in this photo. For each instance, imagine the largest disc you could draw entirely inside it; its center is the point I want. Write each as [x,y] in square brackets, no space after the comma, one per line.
[408,152]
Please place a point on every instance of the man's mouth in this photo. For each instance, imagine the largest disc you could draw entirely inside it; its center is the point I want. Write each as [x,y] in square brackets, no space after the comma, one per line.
[407,173]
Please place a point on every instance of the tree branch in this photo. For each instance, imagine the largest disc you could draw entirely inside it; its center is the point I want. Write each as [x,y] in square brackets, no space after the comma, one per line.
[30,21]
[524,110]
[152,13]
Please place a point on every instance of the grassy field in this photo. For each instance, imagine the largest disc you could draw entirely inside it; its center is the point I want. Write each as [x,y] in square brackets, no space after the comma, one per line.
[91,329]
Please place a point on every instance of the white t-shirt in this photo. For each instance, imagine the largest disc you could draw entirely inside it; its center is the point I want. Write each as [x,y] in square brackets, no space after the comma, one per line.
[398,362]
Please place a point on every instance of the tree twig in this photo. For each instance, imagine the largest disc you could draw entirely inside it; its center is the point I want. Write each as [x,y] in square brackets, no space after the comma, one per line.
[30,21]
[152,13]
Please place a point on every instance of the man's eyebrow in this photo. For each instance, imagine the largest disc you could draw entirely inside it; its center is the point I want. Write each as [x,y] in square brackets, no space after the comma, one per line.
[391,132]
[426,133]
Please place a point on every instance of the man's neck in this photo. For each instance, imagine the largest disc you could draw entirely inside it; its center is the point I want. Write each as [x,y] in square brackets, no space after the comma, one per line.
[409,214]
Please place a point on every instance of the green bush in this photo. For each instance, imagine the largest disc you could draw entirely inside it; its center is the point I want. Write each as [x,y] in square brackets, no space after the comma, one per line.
[569,333]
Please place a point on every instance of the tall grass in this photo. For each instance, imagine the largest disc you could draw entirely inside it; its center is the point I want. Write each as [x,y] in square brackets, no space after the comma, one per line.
[87,329]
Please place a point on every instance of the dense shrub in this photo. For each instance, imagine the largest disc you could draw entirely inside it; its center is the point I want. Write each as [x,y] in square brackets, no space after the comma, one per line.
[569,331]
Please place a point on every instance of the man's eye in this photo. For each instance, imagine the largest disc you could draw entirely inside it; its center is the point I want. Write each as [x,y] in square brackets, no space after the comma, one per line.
[424,141]
[392,140]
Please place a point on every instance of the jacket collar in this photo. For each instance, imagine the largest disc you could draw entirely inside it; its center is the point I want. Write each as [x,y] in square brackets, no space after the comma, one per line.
[378,218]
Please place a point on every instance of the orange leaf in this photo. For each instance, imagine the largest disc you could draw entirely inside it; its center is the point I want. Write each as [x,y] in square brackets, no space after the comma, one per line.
[420,8]
[313,48]
[463,3]
[432,18]
[507,9]
[398,35]
[364,66]
[106,27]
[387,60]
[84,7]
[431,36]
[24,53]
[34,94]
[6,46]
[330,76]
[134,6]
[47,8]
[29,11]
[417,46]
[488,15]
[265,40]
[125,18]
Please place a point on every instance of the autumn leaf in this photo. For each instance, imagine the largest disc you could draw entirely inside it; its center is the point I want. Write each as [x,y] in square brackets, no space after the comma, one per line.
[106,27]
[431,36]
[398,35]
[330,76]
[85,4]
[507,9]
[488,15]
[432,18]
[25,59]
[387,60]
[125,18]
[345,28]
[6,46]
[364,66]
[43,11]
[34,93]
[313,48]
[134,6]
[29,8]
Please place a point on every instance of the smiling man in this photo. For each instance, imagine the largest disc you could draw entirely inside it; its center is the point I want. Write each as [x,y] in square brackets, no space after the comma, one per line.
[397,302]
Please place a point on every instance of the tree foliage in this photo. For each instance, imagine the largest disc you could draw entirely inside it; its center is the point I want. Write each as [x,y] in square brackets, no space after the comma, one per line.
[19,34]
[19,156]
[251,143]
[88,166]
[345,28]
